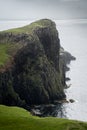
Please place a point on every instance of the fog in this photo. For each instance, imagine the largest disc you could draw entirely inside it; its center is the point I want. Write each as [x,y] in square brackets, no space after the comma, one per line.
[31,9]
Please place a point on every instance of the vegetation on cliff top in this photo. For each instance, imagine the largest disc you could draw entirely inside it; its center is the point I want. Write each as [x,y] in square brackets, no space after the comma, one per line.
[29,29]
[14,118]
[30,64]
[7,46]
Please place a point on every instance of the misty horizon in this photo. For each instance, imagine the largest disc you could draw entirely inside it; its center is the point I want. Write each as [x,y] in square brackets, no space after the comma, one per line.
[37,9]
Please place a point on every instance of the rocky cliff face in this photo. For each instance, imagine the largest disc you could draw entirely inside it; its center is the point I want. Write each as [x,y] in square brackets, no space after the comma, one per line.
[33,72]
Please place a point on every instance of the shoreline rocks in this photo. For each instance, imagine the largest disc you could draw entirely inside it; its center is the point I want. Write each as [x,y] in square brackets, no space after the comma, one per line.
[45,110]
[71,100]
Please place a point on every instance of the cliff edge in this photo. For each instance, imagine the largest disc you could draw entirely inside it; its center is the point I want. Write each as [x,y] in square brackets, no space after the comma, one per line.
[31,68]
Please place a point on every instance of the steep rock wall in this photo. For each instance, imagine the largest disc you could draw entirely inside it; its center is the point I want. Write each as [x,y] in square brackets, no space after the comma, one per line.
[36,74]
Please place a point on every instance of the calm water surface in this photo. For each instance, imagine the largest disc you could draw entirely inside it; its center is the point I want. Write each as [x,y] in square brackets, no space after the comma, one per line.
[74,39]
[73,36]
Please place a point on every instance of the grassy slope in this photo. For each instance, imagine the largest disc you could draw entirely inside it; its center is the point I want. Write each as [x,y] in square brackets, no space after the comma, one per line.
[14,118]
[3,54]
[29,29]
[33,26]
[7,50]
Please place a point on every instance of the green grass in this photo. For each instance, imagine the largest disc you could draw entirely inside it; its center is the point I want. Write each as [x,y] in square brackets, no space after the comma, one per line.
[4,56]
[26,29]
[29,29]
[7,50]
[14,118]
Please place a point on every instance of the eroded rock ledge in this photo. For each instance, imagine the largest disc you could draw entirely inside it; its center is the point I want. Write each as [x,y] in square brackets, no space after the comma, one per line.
[35,73]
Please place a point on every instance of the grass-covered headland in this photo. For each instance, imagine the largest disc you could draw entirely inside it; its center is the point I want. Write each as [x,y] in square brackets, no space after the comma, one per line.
[31,69]
[14,118]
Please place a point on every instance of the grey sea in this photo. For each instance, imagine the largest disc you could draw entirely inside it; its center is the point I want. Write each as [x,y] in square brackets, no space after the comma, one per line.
[73,37]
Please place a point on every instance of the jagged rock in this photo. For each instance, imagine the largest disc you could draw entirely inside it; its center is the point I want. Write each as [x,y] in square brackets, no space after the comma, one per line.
[71,100]
[67,78]
[61,101]
[36,74]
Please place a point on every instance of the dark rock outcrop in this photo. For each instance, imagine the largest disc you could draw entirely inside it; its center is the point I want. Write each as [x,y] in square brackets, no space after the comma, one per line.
[37,73]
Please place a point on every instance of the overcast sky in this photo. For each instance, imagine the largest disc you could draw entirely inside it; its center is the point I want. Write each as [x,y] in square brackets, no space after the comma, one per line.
[29,9]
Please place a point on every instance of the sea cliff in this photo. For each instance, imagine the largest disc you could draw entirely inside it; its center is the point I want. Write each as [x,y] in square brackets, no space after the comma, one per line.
[32,65]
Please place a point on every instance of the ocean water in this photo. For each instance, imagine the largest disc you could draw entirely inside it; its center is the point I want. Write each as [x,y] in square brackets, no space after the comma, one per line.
[73,37]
